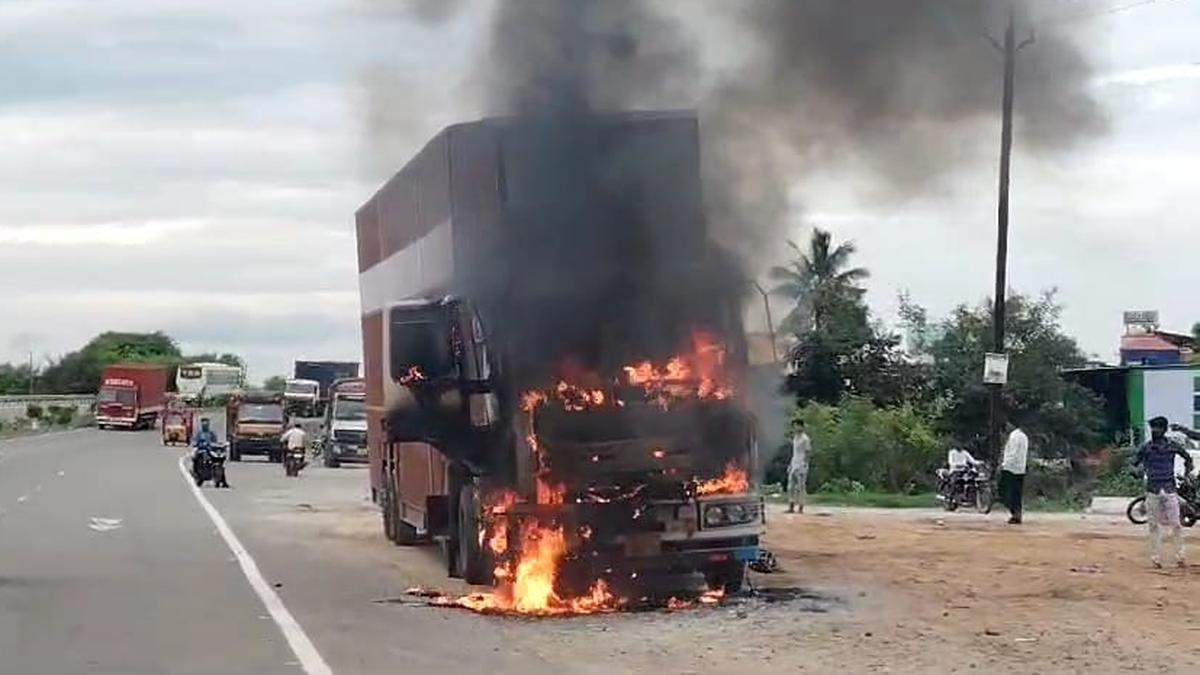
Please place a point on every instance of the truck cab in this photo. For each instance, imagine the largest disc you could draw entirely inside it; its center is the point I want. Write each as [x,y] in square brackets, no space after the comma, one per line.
[344,436]
[302,396]
[117,404]
[254,423]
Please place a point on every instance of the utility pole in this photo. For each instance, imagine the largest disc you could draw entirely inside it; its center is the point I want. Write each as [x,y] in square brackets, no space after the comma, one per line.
[770,324]
[31,373]
[1009,49]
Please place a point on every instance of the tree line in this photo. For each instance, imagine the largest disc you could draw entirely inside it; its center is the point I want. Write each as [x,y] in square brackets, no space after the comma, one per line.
[883,405]
[79,372]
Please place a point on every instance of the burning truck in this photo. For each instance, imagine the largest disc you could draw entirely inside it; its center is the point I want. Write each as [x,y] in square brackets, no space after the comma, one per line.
[554,359]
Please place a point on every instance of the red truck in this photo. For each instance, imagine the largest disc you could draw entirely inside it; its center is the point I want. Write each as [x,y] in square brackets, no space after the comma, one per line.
[131,395]
[504,390]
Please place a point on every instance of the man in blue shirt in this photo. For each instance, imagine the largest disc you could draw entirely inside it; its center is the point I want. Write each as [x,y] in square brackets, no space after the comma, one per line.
[1157,458]
[202,441]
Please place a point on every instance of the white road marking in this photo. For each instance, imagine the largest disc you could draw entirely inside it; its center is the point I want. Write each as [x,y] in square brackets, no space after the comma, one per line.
[105,524]
[310,659]
[22,499]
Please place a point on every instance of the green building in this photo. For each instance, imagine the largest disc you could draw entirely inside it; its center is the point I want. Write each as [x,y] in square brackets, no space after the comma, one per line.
[1136,393]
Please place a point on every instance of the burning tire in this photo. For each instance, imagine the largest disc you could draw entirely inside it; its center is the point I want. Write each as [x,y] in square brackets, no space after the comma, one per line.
[728,575]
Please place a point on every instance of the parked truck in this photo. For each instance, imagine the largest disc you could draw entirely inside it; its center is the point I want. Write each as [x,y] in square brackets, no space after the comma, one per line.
[301,397]
[131,395]
[254,423]
[344,432]
[324,374]
[608,406]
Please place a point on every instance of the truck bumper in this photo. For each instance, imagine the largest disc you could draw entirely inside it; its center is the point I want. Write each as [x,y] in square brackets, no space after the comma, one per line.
[258,446]
[122,422]
[349,454]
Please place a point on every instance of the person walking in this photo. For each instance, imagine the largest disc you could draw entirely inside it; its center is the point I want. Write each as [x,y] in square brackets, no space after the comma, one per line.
[1012,472]
[798,469]
[1157,459]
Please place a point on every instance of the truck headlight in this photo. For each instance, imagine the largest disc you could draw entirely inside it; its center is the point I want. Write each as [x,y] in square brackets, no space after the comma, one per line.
[724,515]
[714,515]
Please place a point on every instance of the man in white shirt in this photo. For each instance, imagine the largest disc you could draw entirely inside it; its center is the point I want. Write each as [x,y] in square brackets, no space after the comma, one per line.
[798,469]
[295,438]
[1012,472]
[959,459]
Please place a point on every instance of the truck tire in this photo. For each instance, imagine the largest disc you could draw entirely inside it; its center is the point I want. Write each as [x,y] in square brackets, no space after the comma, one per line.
[235,453]
[330,455]
[472,559]
[728,575]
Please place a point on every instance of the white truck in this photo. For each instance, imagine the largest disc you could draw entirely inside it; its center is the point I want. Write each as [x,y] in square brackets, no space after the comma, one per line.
[301,397]
[344,437]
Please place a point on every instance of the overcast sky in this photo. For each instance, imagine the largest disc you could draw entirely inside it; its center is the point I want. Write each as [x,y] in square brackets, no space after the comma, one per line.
[194,167]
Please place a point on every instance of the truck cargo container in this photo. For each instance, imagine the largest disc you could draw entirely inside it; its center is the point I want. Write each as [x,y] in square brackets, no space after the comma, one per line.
[467,399]
[131,395]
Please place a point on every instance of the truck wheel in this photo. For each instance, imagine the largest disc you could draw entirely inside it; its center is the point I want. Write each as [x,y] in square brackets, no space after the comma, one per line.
[727,575]
[472,559]
[235,453]
[331,460]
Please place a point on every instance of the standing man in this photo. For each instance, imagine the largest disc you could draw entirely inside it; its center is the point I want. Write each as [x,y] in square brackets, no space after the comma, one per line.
[1012,472]
[1157,458]
[798,469]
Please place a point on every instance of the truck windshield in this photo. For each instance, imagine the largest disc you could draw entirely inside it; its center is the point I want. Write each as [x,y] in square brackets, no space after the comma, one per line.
[300,388]
[121,396]
[260,412]
[353,409]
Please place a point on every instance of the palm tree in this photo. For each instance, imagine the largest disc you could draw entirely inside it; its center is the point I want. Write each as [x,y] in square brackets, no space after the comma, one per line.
[816,280]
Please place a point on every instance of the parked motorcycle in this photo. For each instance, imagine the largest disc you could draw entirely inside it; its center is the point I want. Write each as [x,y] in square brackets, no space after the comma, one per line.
[211,466]
[1189,504]
[970,487]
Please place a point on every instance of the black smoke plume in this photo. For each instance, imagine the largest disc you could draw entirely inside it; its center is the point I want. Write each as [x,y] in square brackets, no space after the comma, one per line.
[906,91]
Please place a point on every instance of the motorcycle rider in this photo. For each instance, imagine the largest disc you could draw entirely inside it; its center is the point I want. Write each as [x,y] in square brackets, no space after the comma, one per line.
[296,441]
[203,440]
[1157,457]
[959,461]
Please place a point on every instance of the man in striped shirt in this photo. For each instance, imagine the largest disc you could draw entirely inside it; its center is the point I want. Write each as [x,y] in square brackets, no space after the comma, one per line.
[1157,458]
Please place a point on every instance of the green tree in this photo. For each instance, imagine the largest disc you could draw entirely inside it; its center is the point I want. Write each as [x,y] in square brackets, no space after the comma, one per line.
[275,383]
[1062,418]
[80,371]
[819,283]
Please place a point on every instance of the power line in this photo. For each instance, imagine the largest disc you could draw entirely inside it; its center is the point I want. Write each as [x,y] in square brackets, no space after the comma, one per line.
[1103,12]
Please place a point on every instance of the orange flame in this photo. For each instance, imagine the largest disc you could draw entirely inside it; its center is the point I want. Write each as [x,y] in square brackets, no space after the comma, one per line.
[413,375]
[698,374]
[734,481]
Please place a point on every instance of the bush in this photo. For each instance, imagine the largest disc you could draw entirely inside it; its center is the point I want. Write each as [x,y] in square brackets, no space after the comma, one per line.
[893,449]
[842,485]
[1118,478]
[33,411]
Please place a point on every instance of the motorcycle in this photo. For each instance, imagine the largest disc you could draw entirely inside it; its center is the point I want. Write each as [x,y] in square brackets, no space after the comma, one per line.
[210,465]
[1189,504]
[294,461]
[969,487]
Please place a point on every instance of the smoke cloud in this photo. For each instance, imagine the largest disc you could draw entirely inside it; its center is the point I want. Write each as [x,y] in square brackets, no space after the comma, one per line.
[901,90]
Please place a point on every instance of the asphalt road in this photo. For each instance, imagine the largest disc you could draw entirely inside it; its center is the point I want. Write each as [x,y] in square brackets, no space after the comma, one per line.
[109,563]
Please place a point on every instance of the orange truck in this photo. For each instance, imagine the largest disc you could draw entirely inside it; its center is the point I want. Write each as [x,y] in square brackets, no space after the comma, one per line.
[545,344]
[132,395]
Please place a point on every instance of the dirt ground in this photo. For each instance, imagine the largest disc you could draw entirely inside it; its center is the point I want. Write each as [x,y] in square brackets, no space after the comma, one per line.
[897,591]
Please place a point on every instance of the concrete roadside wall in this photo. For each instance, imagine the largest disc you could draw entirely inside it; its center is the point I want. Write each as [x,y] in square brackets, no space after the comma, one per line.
[13,407]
